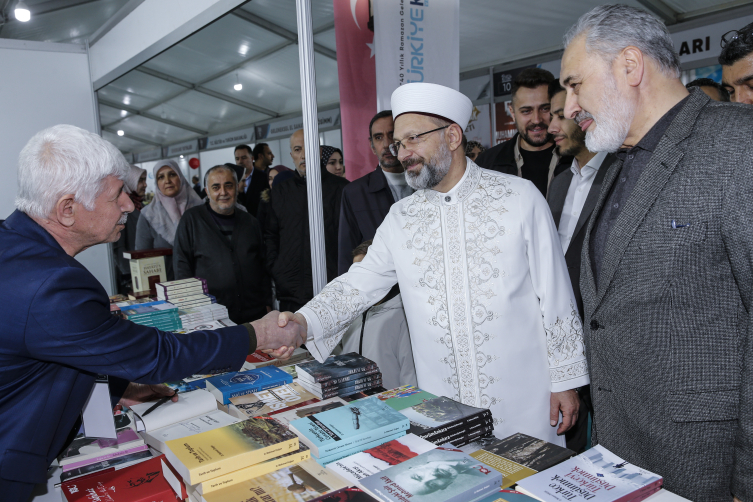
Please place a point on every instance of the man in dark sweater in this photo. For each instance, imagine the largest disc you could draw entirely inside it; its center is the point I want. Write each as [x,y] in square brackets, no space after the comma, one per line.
[529,154]
[224,245]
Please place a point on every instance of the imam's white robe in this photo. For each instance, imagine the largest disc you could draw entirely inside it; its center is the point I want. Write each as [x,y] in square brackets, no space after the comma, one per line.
[487,295]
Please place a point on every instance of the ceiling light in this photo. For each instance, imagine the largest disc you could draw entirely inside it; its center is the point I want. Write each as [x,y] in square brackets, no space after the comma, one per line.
[181,156]
[238,86]
[121,132]
[22,12]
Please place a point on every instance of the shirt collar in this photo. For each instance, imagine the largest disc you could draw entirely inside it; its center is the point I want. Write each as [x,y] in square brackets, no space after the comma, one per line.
[591,166]
[651,140]
[460,191]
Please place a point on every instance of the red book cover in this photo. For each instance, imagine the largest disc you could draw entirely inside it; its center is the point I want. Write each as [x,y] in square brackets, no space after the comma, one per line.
[143,482]
[259,357]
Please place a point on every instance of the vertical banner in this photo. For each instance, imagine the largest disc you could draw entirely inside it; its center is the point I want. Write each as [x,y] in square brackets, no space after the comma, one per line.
[357,78]
[415,41]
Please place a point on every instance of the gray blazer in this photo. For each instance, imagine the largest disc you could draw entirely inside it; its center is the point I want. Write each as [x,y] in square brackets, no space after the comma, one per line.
[667,330]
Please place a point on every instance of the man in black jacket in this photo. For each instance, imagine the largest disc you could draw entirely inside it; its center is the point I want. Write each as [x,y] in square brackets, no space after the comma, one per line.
[286,231]
[367,200]
[529,154]
[224,245]
[256,177]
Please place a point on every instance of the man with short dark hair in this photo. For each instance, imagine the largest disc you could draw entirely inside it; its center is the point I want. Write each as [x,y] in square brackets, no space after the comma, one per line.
[736,59]
[530,153]
[667,273]
[367,200]
[714,90]
[225,246]
[263,156]
[256,178]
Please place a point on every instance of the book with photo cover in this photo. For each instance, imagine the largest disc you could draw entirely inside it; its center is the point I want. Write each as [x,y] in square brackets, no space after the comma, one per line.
[596,475]
[517,456]
[439,475]
[440,415]
[318,406]
[83,450]
[240,383]
[348,426]
[114,464]
[350,494]
[269,400]
[339,366]
[404,396]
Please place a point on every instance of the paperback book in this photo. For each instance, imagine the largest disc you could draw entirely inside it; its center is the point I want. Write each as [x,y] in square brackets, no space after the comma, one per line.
[365,376]
[195,425]
[84,450]
[350,494]
[344,390]
[438,416]
[373,460]
[437,475]
[348,426]
[189,405]
[404,397]
[306,410]
[341,454]
[268,401]
[224,387]
[112,464]
[210,454]
[517,456]
[334,367]
[596,475]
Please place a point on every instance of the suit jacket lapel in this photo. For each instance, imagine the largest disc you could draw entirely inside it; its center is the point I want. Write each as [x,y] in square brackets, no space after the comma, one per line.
[593,193]
[664,160]
[559,196]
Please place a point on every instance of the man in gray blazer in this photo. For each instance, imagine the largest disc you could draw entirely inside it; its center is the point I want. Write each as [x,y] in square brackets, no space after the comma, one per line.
[667,272]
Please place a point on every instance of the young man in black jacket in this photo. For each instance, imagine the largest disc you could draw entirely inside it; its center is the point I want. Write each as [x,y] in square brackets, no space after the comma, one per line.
[529,154]
[286,231]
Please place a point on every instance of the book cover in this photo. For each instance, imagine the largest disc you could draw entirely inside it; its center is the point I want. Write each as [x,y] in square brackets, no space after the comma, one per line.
[373,460]
[356,423]
[345,390]
[304,481]
[350,494]
[364,376]
[189,405]
[597,475]
[319,406]
[146,272]
[435,416]
[230,385]
[270,400]
[85,448]
[438,475]
[363,394]
[341,454]
[103,457]
[195,425]
[334,367]
[260,469]
[517,456]
[506,496]
[404,396]
[114,464]
[213,453]
[147,481]
[462,437]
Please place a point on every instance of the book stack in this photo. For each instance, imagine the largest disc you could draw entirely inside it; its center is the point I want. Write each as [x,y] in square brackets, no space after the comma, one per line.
[259,359]
[343,431]
[185,293]
[516,457]
[339,375]
[268,401]
[158,314]
[442,420]
[202,314]
[240,383]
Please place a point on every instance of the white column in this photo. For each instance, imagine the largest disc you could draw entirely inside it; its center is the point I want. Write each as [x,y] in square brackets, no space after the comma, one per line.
[311,134]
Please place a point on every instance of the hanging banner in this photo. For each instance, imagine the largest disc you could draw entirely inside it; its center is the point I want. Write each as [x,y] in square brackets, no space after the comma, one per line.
[329,119]
[354,34]
[244,136]
[704,42]
[506,128]
[154,154]
[415,41]
[183,148]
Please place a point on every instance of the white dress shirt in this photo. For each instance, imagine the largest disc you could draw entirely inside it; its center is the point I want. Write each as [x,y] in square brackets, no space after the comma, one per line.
[580,185]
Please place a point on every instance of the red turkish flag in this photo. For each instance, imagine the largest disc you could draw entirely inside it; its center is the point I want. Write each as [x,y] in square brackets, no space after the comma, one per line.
[356,73]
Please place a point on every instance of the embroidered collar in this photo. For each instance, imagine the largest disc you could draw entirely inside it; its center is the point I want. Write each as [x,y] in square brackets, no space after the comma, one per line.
[459,192]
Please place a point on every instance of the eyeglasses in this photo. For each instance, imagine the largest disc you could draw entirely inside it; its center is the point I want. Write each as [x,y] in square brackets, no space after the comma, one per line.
[411,141]
[733,35]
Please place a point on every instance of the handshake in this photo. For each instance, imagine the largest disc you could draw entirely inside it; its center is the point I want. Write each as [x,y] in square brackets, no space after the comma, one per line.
[280,333]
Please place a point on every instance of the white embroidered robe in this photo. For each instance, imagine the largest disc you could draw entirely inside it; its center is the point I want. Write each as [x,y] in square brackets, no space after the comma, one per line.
[487,296]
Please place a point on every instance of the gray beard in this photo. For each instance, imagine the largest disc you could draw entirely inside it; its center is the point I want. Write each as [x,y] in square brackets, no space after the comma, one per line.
[612,124]
[433,171]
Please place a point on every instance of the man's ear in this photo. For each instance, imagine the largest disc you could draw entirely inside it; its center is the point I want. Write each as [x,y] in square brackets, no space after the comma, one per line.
[634,65]
[455,136]
[65,210]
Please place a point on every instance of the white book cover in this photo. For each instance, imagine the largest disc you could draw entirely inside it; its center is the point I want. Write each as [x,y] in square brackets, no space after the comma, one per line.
[189,405]
[597,475]
[360,465]
[195,425]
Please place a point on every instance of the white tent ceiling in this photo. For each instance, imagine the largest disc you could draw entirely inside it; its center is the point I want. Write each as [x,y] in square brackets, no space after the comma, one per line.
[187,91]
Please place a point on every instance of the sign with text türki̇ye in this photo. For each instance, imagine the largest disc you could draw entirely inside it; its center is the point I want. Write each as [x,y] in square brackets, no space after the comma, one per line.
[415,41]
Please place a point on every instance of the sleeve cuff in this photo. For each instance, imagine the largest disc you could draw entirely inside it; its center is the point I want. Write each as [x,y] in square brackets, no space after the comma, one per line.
[311,344]
[251,337]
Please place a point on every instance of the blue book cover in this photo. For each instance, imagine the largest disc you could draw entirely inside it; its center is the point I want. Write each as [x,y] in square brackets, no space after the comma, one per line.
[440,475]
[356,449]
[346,427]
[240,383]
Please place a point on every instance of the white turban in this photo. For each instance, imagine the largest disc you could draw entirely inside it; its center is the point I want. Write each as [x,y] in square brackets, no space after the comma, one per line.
[419,97]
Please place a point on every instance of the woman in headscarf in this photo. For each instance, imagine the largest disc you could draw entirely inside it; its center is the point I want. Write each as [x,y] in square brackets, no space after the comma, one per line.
[159,220]
[332,160]
[135,186]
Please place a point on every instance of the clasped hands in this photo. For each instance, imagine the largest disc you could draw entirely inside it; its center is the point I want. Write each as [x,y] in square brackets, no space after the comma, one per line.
[280,333]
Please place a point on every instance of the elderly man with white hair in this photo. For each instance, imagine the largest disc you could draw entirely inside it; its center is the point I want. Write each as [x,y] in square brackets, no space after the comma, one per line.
[491,312]
[667,269]
[58,333]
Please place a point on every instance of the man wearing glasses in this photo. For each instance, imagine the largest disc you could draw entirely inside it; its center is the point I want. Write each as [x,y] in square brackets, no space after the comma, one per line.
[736,59]
[487,296]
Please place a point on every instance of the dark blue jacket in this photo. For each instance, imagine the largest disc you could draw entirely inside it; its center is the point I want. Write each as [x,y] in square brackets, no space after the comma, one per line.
[57,333]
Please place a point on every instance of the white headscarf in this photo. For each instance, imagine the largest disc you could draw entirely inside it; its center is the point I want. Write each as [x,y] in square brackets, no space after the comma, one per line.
[164,213]
[131,179]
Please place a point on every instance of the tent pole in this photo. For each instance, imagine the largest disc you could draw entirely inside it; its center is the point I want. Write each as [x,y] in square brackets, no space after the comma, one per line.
[311,134]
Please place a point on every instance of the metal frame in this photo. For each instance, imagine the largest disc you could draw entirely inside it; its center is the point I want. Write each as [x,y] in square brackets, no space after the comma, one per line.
[135,111]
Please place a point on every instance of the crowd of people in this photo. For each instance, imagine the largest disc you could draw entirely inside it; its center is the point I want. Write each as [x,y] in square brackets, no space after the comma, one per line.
[597,265]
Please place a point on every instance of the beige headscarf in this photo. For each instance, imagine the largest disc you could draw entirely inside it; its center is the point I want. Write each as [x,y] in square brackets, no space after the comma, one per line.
[164,213]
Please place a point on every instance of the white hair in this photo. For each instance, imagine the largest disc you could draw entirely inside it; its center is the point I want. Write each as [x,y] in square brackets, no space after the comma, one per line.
[61,160]
[610,28]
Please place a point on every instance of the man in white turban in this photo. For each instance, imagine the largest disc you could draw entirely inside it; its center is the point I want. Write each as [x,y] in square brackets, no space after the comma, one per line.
[491,311]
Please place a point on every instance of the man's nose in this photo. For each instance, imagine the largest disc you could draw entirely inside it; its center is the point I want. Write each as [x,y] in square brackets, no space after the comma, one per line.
[572,108]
